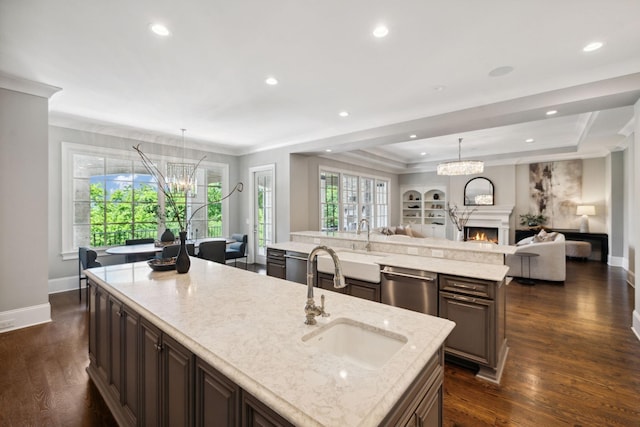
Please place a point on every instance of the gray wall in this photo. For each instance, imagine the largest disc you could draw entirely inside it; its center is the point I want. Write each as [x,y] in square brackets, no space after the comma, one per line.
[23,212]
[59,268]
[617,205]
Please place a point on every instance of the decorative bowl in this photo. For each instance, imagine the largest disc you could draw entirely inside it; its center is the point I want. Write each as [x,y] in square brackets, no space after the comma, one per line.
[163,264]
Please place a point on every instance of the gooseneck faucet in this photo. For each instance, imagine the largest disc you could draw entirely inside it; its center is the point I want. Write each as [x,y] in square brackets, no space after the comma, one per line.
[366,221]
[311,310]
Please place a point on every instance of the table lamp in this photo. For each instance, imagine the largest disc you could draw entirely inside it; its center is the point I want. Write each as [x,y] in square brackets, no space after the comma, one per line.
[585,211]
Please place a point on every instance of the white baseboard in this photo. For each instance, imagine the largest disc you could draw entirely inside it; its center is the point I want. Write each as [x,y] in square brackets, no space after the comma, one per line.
[616,261]
[64,284]
[23,317]
[636,324]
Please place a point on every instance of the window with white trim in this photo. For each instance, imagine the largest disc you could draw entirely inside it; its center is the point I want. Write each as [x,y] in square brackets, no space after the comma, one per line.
[109,197]
[345,199]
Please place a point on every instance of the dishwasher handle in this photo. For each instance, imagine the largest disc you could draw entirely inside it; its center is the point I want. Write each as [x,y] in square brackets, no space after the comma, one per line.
[410,276]
[295,257]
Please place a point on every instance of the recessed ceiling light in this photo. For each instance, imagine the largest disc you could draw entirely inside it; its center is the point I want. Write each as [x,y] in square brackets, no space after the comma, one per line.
[551,112]
[501,71]
[423,154]
[343,114]
[439,88]
[380,31]
[592,46]
[271,81]
[413,136]
[328,150]
[160,30]
[529,140]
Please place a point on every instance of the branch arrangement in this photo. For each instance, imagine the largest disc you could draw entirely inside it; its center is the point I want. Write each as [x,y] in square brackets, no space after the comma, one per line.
[459,218]
[170,197]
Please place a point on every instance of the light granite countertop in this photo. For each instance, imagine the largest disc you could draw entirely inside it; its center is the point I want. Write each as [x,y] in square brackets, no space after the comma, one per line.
[476,270]
[250,328]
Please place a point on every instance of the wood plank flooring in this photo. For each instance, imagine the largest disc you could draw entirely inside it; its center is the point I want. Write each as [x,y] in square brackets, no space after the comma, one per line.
[573,361]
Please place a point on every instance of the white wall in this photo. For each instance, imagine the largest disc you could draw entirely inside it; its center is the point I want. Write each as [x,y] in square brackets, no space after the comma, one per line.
[636,203]
[24,174]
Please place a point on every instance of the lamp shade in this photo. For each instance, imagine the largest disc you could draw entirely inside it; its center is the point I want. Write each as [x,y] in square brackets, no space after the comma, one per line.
[589,210]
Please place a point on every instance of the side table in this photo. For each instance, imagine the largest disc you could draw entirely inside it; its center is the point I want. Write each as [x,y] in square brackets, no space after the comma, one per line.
[526,280]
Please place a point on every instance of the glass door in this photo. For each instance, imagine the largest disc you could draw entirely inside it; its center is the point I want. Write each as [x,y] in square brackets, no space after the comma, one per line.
[263,212]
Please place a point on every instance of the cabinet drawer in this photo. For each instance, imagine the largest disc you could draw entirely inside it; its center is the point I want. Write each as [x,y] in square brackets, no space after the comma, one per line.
[275,256]
[465,285]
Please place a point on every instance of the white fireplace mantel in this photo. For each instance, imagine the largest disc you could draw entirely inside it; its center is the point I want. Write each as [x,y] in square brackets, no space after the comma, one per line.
[493,217]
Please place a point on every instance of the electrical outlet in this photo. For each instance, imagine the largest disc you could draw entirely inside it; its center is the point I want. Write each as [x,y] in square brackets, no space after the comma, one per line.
[437,253]
[4,324]
[412,251]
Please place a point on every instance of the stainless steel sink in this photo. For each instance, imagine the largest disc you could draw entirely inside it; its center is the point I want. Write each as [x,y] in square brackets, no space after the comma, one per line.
[365,345]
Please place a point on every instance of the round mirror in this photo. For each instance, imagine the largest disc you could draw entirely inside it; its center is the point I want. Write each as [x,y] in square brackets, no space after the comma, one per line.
[478,192]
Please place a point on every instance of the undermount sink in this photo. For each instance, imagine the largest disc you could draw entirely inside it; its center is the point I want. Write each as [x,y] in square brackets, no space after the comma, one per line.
[357,265]
[365,345]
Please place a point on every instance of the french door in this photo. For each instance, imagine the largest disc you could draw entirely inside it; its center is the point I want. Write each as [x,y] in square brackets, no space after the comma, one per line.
[263,211]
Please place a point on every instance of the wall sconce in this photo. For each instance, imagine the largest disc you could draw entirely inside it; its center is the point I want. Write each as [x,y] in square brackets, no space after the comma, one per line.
[585,211]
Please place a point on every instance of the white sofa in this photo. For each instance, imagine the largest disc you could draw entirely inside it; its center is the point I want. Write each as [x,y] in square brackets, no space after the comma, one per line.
[550,264]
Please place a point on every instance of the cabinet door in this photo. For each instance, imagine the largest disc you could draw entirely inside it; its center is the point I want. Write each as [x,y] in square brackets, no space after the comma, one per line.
[217,398]
[130,353]
[93,326]
[177,383]
[149,367]
[429,412]
[276,270]
[257,414]
[103,340]
[116,326]
[325,281]
[363,290]
[472,338]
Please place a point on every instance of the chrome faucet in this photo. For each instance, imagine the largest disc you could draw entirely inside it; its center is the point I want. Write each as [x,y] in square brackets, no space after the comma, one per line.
[365,220]
[311,310]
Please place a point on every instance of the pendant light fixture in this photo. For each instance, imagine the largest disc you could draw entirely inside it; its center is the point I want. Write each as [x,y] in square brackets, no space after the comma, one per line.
[181,177]
[460,167]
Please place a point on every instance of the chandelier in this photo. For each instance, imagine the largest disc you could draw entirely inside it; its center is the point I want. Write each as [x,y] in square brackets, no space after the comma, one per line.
[460,167]
[181,177]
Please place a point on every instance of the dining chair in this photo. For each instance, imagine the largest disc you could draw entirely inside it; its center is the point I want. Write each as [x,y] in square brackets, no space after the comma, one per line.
[172,250]
[86,259]
[138,257]
[214,250]
[238,249]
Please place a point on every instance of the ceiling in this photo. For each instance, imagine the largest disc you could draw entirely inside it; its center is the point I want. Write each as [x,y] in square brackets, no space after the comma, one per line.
[430,76]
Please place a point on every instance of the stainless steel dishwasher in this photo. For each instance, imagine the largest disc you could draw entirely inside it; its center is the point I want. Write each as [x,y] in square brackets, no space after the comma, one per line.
[411,289]
[296,267]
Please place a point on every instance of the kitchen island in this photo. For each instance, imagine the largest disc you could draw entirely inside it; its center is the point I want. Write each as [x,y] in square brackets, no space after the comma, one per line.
[220,328]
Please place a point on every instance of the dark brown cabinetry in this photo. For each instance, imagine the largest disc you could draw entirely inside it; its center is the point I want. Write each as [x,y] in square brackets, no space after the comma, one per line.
[257,414]
[356,288]
[478,309]
[276,265]
[217,398]
[166,379]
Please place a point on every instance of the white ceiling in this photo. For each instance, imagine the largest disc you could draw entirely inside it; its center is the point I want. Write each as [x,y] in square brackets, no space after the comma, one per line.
[208,76]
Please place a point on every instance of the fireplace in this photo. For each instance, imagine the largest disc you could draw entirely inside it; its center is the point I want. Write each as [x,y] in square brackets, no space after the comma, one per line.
[494,218]
[481,234]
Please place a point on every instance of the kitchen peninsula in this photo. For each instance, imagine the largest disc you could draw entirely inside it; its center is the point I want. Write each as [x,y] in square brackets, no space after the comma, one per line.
[220,342]
[460,281]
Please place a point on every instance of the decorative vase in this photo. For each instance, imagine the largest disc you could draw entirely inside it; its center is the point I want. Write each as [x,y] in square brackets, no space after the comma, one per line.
[167,236]
[460,236]
[183,263]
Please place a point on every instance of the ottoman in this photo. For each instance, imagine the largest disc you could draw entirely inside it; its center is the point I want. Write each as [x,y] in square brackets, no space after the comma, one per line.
[577,249]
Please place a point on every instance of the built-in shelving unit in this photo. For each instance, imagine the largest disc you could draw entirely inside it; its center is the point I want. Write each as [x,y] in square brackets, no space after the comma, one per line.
[425,209]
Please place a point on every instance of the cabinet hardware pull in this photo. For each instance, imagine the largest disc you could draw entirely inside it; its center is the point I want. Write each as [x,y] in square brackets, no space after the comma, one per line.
[119,313]
[467,299]
[158,347]
[460,285]
[411,276]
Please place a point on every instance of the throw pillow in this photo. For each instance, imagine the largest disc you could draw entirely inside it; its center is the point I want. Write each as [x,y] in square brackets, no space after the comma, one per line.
[408,231]
[400,230]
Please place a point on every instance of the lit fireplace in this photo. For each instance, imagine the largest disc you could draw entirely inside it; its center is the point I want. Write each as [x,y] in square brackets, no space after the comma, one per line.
[481,234]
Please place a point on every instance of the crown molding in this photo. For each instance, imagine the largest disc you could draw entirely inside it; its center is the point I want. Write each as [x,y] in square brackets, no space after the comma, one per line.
[30,87]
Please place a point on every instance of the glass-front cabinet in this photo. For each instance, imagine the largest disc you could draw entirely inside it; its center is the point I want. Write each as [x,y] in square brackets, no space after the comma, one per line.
[425,210]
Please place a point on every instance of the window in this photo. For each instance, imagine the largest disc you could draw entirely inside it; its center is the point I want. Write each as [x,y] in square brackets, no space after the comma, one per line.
[109,197]
[345,199]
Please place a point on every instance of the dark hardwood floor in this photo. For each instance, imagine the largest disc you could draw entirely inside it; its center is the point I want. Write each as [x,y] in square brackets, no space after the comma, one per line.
[573,361]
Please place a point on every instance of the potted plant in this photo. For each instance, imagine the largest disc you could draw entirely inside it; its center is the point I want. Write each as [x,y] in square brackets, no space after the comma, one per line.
[533,220]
